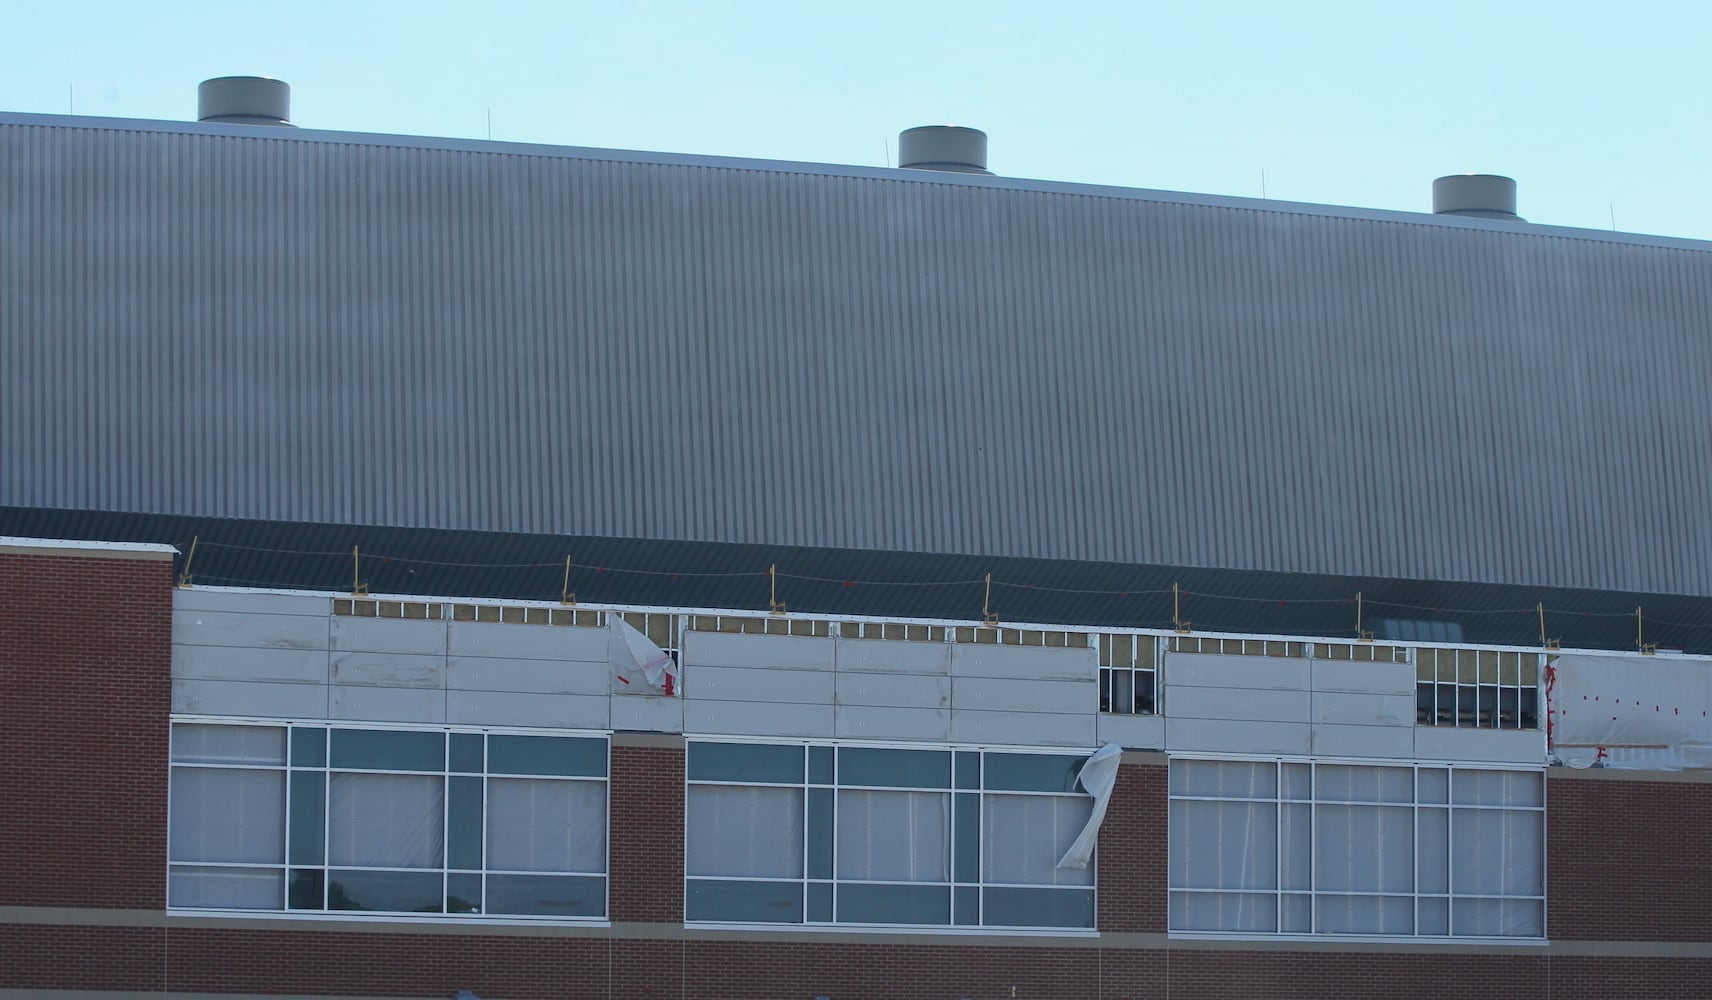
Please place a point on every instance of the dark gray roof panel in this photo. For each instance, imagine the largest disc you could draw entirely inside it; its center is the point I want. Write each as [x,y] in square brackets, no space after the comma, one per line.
[219,322]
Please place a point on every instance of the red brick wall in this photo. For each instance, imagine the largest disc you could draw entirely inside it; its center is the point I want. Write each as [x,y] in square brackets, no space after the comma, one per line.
[646,846]
[1132,856]
[86,661]
[1627,860]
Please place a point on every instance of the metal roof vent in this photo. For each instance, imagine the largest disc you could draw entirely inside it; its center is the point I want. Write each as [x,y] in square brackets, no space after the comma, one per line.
[943,147]
[244,100]
[1476,196]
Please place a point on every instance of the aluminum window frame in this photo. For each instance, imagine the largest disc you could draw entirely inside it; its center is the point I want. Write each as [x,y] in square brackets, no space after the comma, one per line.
[445,869]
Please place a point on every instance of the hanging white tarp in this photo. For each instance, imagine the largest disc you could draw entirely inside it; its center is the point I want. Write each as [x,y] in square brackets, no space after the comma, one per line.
[1645,713]
[1099,776]
[640,666]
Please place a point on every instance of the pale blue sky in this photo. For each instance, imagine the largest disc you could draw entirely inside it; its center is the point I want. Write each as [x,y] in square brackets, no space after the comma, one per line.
[1597,109]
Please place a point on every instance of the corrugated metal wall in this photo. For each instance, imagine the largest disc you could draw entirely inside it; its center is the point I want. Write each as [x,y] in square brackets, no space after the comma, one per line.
[298,329]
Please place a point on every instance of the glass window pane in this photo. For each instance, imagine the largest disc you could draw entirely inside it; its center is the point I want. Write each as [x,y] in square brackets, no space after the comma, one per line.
[463,893]
[1033,772]
[1027,834]
[386,820]
[908,768]
[388,750]
[893,836]
[1353,783]
[227,814]
[1224,911]
[744,902]
[308,817]
[967,851]
[1434,783]
[226,888]
[547,895]
[820,832]
[306,889]
[820,902]
[744,832]
[1039,907]
[968,768]
[465,753]
[1298,782]
[565,755]
[1296,914]
[1432,915]
[545,825]
[1496,918]
[894,904]
[822,765]
[1296,846]
[464,823]
[1497,851]
[746,762]
[1365,914]
[1224,779]
[1223,845]
[1364,848]
[308,747]
[394,892]
[200,744]
[966,901]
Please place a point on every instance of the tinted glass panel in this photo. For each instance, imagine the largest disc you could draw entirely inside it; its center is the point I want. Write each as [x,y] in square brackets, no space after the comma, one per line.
[1040,907]
[565,755]
[1023,772]
[968,769]
[466,752]
[746,762]
[307,889]
[820,901]
[308,817]
[820,765]
[820,832]
[967,831]
[463,893]
[894,904]
[386,750]
[546,895]
[397,892]
[225,888]
[744,902]
[968,904]
[464,823]
[903,768]
[308,747]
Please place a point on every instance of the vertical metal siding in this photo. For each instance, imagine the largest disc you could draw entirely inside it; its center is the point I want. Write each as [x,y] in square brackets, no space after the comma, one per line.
[307,330]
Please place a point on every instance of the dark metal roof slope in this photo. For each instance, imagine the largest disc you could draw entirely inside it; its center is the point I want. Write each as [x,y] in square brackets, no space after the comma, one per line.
[216,322]
[466,564]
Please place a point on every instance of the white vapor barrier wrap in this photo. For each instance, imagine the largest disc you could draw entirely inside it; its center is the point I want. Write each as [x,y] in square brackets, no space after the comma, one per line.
[641,666]
[1099,776]
[1636,713]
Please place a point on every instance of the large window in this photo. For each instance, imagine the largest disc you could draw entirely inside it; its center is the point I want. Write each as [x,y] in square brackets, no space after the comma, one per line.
[382,820]
[812,834]
[1300,847]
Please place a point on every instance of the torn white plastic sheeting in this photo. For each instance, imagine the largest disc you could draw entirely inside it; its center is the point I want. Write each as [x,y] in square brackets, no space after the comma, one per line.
[1639,713]
[640,666]
[1099,776]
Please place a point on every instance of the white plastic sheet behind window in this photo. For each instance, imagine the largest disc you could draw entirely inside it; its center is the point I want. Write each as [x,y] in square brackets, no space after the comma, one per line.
[1637,712]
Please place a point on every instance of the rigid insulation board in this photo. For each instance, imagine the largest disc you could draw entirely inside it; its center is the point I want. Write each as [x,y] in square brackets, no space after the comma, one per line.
[221,321]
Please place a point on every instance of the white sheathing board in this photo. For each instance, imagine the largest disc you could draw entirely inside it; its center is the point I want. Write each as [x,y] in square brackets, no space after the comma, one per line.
[1138,732]
[744,718]
[867,722]
[893,656]
[494,673]
[258,699]
[387,704]
[259,631]
[799,687]
[1288,705]
[647,714]
[781,652]
[526,642]
[233,663]
[893,690]
[990,694]
[547,711]
[251,602]
[389,635]
[390,670]
[1650,713]
[1497,746]
[1022,728]
[1034,663]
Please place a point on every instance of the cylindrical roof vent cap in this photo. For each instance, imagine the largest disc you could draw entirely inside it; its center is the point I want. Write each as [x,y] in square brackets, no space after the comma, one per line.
[1477,196]
[244,100]
[943,147]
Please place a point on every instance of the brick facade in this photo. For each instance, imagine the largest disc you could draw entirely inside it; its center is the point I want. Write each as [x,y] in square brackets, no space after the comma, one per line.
[86,656]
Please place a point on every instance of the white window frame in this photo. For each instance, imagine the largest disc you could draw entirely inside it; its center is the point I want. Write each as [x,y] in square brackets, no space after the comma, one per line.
[445,870]
[1450,807]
